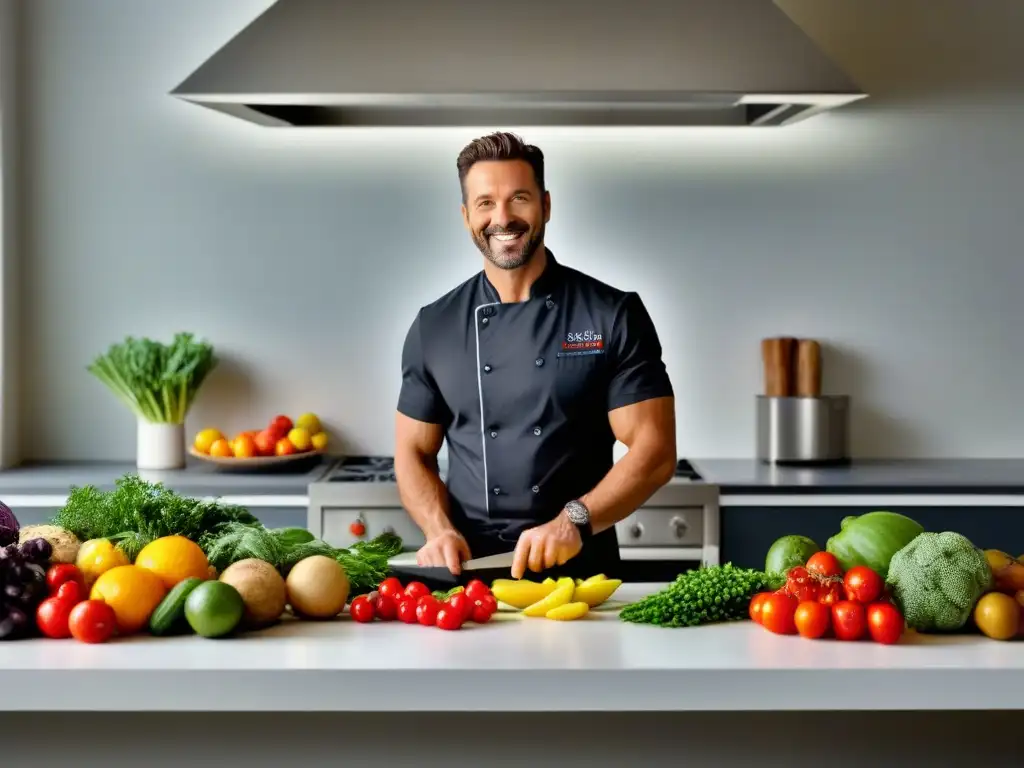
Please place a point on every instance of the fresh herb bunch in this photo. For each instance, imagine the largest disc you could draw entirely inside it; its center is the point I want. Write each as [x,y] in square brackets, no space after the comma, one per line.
[705,595]
[157,381]
[136,512]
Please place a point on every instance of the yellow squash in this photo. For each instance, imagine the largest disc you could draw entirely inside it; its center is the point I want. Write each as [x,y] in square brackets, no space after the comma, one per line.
[521,593]
[559,596]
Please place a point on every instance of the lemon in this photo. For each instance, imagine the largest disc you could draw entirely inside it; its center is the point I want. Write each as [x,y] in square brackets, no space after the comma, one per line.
[174,559]
[319,441]
[96,557]
[206,438]
[299,437]
[309,422]
[132,592]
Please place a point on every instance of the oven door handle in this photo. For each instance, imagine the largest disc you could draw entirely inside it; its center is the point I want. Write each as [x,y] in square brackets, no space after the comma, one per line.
[661,553]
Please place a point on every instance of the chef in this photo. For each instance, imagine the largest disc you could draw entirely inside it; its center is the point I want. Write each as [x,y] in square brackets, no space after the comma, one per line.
[530,371]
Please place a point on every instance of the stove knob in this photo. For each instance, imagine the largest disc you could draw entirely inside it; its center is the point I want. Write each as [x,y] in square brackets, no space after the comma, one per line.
[636,530]
[357,528]
[679,526]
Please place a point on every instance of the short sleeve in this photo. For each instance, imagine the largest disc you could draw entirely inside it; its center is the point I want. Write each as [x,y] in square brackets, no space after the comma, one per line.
[419,397]
[638,372]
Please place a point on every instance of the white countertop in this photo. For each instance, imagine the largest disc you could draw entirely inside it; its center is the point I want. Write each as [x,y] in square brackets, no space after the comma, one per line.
[510,664]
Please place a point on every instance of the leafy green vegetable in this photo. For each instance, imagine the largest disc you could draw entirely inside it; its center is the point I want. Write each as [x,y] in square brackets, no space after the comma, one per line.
[157,381]
[872,539]
[443,595]
[136,511]
[365,563]
[705,595]
[937,579]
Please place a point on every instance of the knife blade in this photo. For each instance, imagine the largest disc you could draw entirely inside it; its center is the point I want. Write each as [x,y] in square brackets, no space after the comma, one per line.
[504,560]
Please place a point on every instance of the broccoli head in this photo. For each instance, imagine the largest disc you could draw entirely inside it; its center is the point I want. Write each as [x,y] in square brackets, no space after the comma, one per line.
[936,580]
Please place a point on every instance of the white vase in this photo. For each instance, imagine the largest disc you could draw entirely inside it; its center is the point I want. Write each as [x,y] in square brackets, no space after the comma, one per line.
[160,446]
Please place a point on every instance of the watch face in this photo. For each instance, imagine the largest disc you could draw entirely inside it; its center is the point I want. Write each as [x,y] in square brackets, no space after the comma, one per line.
[578,513]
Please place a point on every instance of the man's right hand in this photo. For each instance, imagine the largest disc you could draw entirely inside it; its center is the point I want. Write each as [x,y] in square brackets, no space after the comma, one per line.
[447,549]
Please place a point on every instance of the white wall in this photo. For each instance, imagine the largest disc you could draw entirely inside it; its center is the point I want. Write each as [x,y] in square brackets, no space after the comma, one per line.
[11,254]
[890,232]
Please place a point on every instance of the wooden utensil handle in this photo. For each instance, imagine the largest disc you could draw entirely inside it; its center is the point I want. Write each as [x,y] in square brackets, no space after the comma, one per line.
[778,358]
[808,366]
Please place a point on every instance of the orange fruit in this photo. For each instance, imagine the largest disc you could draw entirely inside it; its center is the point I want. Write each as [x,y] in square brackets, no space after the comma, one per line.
[96,557]
[221,448]
[244,447]
[265,442]
[319,441]
[132,592]
[281,424]
[174,559]
[284,447]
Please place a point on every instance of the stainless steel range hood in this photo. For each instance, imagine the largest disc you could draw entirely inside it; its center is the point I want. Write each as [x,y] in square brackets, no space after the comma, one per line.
[532,62]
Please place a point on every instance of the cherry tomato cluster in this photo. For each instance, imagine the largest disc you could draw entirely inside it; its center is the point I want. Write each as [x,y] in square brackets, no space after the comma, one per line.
[818,599]
[415,604]
[68,613]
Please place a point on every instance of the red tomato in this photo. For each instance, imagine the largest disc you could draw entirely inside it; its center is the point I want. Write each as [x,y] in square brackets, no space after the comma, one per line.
[477,590]
[830,593]
[407,610]
[849,620]
[450,617]
[61,572]
[391,587]
[416,590]
[755,606]
[777,614]
[483,609]
[362,609]
[801,584]
[426,599]
[863,584]
[52,617]
[386,607]
[72,592]
[885,623]
[92,621]
[427,610]
[460,602]
[812,619]
[824,564]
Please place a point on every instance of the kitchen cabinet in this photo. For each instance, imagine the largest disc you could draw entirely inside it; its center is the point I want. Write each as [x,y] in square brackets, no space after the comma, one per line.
[748,532]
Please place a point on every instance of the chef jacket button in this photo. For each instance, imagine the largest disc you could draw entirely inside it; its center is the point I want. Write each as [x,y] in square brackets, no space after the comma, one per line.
[487,369]
[494,433]
[496,490]
[484,321]
[539,362]
[536,431]
[536,489]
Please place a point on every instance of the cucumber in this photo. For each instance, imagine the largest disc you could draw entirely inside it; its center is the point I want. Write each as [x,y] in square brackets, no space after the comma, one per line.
[169,616]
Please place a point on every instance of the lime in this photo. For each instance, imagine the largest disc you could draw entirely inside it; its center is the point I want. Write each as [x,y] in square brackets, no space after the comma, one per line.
[213,609]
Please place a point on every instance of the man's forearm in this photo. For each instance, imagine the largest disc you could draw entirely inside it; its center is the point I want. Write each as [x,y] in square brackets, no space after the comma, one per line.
[628,484]
[422,492]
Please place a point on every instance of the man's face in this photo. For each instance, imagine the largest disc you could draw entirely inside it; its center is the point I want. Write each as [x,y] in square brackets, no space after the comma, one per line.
[505,211]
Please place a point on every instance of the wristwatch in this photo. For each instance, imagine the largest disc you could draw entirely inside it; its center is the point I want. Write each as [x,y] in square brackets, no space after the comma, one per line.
[579,516]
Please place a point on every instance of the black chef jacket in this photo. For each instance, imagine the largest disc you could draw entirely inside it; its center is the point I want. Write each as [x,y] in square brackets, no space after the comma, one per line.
[523,392]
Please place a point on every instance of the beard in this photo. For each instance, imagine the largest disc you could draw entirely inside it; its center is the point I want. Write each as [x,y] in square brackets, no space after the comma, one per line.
[510,254]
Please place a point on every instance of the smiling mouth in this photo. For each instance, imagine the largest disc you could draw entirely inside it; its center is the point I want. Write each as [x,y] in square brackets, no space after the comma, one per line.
[508,237]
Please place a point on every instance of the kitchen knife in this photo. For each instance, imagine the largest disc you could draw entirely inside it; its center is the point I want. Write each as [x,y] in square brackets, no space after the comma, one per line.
[486,569]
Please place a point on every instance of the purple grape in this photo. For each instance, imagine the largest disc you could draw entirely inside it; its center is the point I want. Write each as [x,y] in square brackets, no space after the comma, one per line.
[37,550]
[7,628]
[18,616]
[12,591]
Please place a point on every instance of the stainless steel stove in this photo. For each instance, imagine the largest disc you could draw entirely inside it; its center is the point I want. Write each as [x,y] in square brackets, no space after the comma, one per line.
[678,528]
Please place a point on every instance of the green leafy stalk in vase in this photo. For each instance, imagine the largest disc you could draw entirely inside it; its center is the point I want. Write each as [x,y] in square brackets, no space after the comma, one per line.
[157,381]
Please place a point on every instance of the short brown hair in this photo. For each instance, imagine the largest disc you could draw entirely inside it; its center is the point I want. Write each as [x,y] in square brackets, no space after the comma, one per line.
[500,146]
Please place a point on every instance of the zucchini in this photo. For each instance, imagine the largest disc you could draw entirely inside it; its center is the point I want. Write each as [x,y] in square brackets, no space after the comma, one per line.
[169,616]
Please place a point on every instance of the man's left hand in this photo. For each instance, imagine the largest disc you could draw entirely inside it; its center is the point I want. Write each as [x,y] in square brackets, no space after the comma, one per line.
[554,543]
